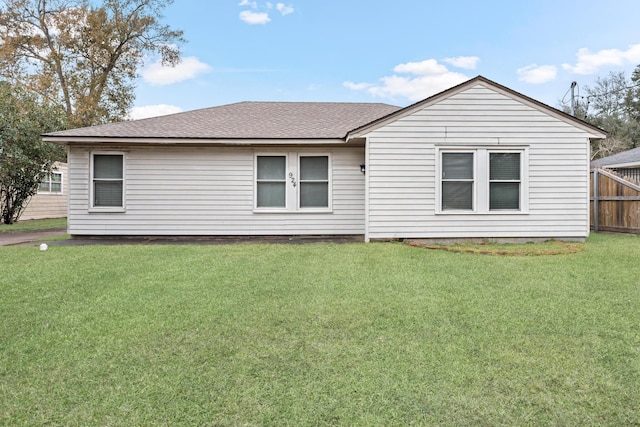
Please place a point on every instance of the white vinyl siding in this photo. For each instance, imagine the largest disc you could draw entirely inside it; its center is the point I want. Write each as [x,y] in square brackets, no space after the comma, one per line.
[210,191]
[403,170]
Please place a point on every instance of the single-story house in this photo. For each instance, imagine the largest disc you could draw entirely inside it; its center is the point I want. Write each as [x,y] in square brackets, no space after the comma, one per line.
[478,160]
[51,199]
[625,163]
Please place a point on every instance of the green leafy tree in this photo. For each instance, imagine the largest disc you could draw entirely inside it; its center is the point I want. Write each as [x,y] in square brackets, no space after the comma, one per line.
[608,108]
[632,105]
[82,56]
[24,157]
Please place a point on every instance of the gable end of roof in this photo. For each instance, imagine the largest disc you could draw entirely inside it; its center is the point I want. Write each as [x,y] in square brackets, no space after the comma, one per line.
[360,131]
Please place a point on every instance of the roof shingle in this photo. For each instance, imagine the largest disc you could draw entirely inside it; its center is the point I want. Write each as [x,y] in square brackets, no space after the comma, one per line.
[247,120]
[624,157]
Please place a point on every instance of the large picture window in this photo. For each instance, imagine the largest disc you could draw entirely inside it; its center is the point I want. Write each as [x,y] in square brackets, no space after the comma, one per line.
[292,182]
[108,181]
[482,180]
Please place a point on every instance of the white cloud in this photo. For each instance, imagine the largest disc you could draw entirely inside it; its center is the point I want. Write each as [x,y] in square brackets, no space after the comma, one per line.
[357,86]
[254,18]
[251,4]
[147,111]
[590,63]
[426,67]
[466,62]
[285,10]
[537,74]
[428,78]
[188,68]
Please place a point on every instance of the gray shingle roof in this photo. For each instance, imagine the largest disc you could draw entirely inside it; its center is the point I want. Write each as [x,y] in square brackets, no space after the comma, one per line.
[246,120]
[629,156]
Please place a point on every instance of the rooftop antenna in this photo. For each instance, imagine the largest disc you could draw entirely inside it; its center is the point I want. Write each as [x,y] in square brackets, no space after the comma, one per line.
[573,98]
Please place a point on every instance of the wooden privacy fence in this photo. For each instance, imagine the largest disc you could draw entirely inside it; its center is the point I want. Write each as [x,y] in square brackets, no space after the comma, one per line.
[615,203]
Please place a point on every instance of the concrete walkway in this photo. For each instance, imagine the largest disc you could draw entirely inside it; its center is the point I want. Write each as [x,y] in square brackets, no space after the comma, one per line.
[29,237]
[33,238]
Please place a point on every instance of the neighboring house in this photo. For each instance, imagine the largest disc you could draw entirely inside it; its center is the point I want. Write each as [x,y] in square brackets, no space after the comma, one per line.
[51,199]
[625,163]
[478,160]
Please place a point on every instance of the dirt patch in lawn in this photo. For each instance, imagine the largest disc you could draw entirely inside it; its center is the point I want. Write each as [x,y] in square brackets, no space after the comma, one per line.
[551,247]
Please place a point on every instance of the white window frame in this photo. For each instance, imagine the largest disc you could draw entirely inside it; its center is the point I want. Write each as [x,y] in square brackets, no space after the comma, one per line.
[292,184]
[328,181]
[255,182]
[490,181]
[473,180]
[48,179]
[92,207]
[481,187]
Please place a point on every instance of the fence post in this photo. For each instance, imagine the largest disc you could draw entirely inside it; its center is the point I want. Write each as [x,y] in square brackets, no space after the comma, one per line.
[595,200]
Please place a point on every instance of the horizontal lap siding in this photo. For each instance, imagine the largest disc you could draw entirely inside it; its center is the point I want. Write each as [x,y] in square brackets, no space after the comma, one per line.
[44,205]
[402,169]
[209,191]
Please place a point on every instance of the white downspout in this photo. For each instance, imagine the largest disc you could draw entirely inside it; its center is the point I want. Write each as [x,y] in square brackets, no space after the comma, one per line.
[367,173]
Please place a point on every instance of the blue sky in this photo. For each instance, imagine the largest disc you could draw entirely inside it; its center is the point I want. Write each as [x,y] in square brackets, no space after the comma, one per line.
[396,52]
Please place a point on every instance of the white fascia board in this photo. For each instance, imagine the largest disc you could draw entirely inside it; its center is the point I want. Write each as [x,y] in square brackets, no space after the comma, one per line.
[189,141]
[621,165]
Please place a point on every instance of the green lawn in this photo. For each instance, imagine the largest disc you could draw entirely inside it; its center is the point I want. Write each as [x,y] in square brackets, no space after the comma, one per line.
[34,225]
[319,334]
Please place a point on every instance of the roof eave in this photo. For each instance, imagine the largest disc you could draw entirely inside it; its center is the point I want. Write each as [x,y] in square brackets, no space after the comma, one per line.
[634,164]
[93,140]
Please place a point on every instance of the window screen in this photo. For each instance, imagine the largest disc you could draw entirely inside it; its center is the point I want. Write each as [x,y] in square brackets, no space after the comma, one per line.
[314,182]
[108,180]
[504,181]
[271,181]
[457,181]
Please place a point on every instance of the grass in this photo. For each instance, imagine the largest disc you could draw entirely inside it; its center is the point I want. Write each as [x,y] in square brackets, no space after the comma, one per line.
[34,225]
[55,238]
[319,334]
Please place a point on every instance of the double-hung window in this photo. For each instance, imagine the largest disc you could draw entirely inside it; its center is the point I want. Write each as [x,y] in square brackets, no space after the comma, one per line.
[504,181]
[107,181]
[292,182]
[271,181]
[457,181]
[51,184]
[482,180]
[314,181]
